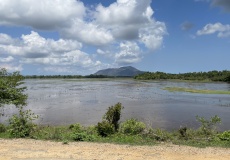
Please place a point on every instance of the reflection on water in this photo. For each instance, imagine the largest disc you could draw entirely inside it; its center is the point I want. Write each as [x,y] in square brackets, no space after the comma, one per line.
[84,101]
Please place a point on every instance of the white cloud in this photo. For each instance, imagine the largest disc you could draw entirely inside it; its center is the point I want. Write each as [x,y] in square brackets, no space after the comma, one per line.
[7,59]
[132,20]
[6,39]
[124,12]
[40,14]
[35,46]
[119,32]
[88,33]
[34,49]
[129,53]
[11,67]
[152,36]
[220,29]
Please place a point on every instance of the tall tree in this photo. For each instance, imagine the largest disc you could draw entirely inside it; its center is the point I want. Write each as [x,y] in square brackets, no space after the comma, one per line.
[10,90]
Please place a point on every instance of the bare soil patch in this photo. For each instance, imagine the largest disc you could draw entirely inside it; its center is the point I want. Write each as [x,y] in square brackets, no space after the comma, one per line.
[27,149]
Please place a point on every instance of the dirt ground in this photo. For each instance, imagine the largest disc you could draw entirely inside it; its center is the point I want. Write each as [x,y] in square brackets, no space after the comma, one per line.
[26,149]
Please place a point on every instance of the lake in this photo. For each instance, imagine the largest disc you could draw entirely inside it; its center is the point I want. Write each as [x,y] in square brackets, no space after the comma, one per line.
[84,101]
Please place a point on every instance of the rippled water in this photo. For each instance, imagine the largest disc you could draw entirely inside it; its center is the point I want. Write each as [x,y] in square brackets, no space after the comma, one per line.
[84,101]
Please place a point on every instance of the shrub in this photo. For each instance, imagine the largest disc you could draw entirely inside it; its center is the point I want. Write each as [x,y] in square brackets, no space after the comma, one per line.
[82,136]
[105,128]
[21,125]
[183,132]
[76,127]
[113,115]
[109,124]
[225,136]
[132,126]
[2,128]
[208,126]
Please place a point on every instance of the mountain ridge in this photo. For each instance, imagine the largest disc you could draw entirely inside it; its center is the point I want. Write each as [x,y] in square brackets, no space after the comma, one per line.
[127,71]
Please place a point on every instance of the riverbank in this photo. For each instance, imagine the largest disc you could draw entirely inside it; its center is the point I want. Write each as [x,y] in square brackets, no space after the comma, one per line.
[25,149]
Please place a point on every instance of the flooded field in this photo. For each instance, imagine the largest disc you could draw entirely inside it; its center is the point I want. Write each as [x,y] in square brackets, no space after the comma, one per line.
[62,101]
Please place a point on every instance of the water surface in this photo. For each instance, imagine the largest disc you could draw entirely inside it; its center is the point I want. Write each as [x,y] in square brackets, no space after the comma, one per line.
[61,101]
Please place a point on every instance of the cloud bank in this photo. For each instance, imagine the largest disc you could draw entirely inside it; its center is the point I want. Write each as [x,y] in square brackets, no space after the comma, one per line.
[121,31]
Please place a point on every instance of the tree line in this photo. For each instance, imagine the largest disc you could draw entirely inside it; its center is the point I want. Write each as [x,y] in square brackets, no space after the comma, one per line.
[70,76]
[222,76]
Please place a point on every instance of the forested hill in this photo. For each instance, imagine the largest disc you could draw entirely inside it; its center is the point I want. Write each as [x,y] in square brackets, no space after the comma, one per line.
[223,76]
[119,72]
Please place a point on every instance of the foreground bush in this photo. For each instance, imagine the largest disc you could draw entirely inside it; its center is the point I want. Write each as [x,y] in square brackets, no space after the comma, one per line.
[105,128]
[2,128]
[132,126]
[225,136]
[21,125]
[208,126]
[110,121]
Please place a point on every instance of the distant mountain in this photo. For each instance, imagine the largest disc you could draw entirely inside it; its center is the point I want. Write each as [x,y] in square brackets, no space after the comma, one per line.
[128,71]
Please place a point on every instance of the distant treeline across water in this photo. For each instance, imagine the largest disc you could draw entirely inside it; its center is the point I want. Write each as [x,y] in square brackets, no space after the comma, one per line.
[221,76]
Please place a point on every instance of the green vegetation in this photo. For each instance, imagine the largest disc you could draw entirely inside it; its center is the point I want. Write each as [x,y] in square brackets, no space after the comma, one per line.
[223,76]
[110,129]
[20,125]
[132,127]
[10,90]
[109,124]
[207,127]
[190,90]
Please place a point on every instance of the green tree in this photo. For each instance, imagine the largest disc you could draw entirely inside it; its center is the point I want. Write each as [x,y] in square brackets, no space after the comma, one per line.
[113,115]
[110,121]
[10,90]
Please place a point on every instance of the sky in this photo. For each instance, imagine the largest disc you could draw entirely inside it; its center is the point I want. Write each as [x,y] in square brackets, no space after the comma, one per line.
[73,37]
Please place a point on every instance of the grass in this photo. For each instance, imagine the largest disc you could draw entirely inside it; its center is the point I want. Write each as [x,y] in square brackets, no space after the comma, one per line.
[190,90]
[149,136]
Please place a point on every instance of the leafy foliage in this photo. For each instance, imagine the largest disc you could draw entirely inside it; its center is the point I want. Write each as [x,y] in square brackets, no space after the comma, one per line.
[21,125]
[208,126]
[82,136]
[105,128]
[132,126]
[2,128]
[10,92]
[76,127]
[113,115]
[225,136]
[109,124]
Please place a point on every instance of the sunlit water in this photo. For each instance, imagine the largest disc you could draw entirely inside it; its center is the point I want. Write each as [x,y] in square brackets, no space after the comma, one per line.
[60,102]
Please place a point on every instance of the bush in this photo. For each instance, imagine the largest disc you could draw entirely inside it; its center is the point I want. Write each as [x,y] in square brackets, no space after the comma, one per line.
[83,136]
[183,132]
[225,136]
[109,124]
[76,127]
[105,128]
[208,127]
[113,115]
[2,128]
[21,125]
[132,126]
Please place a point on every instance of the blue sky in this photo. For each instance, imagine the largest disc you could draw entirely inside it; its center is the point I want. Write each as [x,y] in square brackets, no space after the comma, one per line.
[80,37]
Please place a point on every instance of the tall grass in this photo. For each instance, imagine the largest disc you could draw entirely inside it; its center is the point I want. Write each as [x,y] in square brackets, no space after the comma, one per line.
[190,90]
